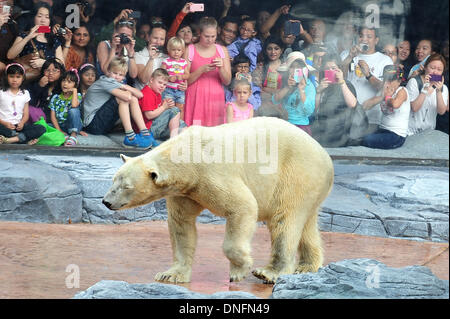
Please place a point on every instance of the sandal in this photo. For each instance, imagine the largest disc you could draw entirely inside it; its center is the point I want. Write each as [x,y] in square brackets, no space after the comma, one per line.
[71,141]
[3,139]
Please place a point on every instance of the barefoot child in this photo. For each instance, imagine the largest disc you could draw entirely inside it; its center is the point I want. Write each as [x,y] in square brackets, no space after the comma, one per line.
[65,112]
[240,109]
[178,69]
[14,109]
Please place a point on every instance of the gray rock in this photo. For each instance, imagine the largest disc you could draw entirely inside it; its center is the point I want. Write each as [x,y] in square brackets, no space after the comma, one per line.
[409,203]
[110,289]
[37,192]
[362,278]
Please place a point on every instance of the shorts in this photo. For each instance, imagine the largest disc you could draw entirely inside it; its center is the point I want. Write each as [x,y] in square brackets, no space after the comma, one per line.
[176,95]
[105,118]
[160,125]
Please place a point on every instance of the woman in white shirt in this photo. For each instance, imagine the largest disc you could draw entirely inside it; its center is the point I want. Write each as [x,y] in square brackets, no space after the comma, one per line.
[428,95]
[395,108]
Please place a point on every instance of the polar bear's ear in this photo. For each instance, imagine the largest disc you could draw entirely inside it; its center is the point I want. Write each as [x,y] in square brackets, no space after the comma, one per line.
[124,158]
[157,177]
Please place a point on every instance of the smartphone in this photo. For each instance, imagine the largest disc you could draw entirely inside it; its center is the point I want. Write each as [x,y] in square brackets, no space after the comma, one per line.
[44,29]
[298,74]
[135,15]
[292,27]
[197,7]
[330,75]
[435,78]
[6,9]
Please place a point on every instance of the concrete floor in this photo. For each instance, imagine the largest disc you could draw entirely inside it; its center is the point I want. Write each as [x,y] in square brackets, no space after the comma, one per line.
[34,257]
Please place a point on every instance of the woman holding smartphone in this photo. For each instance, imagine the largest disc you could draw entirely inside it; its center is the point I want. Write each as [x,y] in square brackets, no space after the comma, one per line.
[335,102]
[428,95]
[298,94]
[39,37]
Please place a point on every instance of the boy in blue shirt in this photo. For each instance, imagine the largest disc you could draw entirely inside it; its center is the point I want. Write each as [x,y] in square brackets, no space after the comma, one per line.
[246,43]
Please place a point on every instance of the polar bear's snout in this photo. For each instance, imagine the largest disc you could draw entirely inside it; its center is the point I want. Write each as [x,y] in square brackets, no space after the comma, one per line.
[107,204]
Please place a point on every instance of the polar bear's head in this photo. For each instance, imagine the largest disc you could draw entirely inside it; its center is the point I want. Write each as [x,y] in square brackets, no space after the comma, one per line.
[135,184]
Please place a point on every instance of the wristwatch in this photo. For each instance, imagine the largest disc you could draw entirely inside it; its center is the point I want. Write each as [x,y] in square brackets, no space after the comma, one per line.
[369,76]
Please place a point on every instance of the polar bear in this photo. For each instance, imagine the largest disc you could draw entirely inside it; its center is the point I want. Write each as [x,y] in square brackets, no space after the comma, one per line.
[261,169]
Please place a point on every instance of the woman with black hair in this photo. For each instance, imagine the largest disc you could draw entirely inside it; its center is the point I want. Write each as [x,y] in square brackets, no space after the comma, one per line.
[33,41]
[81,50]
[267,77]
[42,90]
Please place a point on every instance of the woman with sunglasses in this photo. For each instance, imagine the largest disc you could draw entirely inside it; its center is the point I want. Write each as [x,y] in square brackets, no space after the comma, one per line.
[121,45]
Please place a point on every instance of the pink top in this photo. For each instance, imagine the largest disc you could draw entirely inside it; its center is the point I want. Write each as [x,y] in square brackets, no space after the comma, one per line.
[174,67]
[205,98]
[239,115]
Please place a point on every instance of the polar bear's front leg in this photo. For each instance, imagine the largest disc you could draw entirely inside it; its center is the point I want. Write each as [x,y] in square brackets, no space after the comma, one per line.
[182,213]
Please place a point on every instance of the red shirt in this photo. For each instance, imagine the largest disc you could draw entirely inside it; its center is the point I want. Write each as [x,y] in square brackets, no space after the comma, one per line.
[149,102]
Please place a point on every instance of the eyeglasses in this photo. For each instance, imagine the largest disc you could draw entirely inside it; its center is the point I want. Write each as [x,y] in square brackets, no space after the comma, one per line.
[246,30]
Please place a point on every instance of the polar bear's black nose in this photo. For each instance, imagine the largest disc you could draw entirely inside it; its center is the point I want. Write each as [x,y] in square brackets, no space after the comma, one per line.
[107,204]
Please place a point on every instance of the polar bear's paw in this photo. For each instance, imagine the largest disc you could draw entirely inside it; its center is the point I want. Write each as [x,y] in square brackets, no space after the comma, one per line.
[238,273]
[268,275]
[175,275]
[303,268]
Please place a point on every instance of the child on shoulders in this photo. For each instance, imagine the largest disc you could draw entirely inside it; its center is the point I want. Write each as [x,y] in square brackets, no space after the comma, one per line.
[162,117]
[246,43]
[178,70]
[240,109]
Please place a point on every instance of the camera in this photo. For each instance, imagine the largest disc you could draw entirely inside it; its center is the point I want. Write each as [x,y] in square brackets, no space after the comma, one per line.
[86,7]
[61,32]
[364,47]
[124,39]
[160,48]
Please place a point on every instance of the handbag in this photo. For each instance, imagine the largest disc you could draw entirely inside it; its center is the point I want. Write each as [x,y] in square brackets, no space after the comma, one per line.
[31,73]
[52,136]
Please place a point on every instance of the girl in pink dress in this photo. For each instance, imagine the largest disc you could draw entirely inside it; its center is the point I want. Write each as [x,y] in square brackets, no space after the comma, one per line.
[240,109]
[210,69]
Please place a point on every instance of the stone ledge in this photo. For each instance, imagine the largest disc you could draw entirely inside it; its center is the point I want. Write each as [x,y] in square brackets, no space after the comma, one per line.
[388,202]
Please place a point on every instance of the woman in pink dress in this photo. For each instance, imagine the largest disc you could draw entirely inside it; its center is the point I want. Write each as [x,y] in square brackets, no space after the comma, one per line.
[210,69]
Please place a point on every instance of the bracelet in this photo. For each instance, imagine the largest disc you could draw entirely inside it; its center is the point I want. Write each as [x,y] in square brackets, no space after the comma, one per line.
[131,57]
[67,47]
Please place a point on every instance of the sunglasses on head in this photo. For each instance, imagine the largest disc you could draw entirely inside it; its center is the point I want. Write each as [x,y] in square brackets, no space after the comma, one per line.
[126,22]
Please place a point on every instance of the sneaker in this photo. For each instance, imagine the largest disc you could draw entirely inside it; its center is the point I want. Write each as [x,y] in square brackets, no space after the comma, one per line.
[137,142]
[150,138]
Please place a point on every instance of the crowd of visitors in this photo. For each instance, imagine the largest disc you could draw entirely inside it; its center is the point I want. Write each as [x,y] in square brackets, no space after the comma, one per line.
[341,83]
